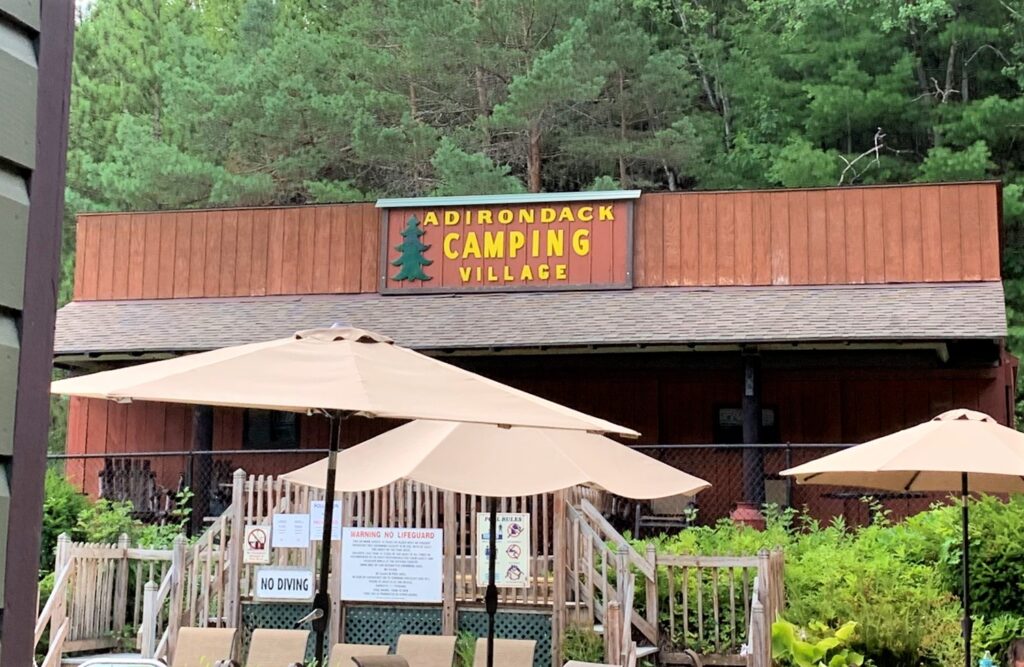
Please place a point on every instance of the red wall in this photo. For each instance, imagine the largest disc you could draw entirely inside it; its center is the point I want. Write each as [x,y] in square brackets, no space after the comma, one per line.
[914,233]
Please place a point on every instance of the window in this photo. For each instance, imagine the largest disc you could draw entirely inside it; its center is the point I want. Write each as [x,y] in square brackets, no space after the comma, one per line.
[729,426]
[267,429]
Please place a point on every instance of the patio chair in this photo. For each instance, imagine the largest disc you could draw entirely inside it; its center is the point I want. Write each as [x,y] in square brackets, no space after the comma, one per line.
[665,513]
[203,647]
[379,661]
[507,653]
[426,650]
[580,663]
[342,654]
[277,648]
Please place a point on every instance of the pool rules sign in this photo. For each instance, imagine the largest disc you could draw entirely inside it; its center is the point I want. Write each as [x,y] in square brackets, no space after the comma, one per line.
[284,584]
[512,562]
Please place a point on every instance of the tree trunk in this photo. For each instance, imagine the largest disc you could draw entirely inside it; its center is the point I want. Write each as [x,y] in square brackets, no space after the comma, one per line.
[533,158]
[623,175]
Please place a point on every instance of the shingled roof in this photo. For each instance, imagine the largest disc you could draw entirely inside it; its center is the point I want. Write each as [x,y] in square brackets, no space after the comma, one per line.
[656,316]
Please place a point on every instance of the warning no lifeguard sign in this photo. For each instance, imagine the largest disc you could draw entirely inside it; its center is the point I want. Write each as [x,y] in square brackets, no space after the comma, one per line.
[284,584]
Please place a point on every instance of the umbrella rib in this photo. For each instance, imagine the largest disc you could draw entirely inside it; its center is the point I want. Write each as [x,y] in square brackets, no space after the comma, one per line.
[912,480]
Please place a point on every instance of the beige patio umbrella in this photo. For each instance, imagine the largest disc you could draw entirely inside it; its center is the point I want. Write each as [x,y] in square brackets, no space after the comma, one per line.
[960,450]
[497,462]
[338,372]
[461,457]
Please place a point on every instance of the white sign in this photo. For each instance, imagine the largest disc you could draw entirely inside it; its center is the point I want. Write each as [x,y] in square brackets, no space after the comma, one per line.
[316,521]
[257,545]
[290,531]
[512,556]
[280,584]
[391,564]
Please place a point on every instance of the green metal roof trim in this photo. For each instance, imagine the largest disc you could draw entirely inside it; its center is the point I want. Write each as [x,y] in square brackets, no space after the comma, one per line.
[531,198]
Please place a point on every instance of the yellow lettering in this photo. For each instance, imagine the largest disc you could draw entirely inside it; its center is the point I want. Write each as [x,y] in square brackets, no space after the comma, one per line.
[492,277]
[483,217]
[516,241]
[494,245]
[605,213]
[526,273]
[566,215]
[548,215]
[561,272]
[505,216]
[506,275]
[430,218]
[543,272]
[585,214]
[526,216]
[451,218]
[581,242]
[535,243]
[472,247]
[556,242]
[465,272]
[449,251]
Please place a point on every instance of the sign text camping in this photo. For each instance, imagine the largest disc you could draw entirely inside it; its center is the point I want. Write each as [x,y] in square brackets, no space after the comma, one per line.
[520,245]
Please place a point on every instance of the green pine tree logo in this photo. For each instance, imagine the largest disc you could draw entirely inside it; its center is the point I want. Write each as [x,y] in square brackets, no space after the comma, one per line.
[411,261]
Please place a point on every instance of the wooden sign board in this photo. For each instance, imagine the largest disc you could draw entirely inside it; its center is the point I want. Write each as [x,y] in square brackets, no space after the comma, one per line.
[515,242]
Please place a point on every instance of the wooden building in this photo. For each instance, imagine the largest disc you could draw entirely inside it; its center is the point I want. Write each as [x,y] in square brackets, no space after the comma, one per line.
[837,315]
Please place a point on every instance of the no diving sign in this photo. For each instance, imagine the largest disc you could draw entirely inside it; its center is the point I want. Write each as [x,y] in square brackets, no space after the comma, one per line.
[257,545]
[284,584]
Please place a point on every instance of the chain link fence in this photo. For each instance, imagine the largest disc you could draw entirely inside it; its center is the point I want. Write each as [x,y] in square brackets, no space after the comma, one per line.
[155,484]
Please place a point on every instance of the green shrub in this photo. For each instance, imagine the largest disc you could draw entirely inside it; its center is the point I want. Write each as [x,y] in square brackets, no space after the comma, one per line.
[105,521]
[465,649]
[62,503]
[583,644]
[815,646]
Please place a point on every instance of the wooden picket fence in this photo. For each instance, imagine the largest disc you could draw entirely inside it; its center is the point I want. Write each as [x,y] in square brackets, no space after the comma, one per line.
[581,570]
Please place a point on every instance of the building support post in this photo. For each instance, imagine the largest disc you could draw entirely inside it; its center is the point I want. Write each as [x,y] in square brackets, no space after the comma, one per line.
[748,511]
[200,466]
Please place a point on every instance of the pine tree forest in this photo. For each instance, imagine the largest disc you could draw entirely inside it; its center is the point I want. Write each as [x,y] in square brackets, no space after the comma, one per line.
[187,103]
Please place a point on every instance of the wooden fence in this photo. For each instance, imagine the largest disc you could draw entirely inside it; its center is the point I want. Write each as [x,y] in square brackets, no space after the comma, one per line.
[582,571]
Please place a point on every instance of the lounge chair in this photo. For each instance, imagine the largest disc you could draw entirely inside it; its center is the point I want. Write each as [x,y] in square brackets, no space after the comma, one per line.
[342,654]
[580,663]
[426,650]
[203,647]
[379,661]
[277,648]
[507,653]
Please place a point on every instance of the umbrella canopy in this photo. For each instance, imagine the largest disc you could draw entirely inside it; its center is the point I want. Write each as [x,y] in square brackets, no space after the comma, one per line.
[339,369]
[490,461]
[929,457]
[960,450]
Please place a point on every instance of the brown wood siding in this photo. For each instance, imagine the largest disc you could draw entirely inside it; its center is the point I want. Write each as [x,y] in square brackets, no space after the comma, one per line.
[919,233]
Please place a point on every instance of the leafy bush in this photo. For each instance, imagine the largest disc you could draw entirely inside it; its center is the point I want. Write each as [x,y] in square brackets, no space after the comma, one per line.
[816,646]
[105,521]
[465,649]
[582,644]
[62,503]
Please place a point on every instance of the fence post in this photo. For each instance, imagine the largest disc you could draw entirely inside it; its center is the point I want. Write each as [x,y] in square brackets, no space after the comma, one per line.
[62,559]
[449,621]
[149,620]
[558,591]
[652,593]
[236,547]
[177,593]
[613,624]
[121,585]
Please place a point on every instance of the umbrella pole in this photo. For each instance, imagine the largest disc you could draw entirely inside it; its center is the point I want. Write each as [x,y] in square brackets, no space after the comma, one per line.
[322,601]
[491,598]
[964,492]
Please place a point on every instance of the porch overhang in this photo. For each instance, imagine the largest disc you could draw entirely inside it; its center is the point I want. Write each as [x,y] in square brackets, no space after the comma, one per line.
[685,318]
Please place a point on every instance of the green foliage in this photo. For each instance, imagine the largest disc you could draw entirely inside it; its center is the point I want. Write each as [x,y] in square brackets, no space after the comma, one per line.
[799,164]
[62,504]
[815,646]
[105,521]
[465,649]
[944,164]
[582,644]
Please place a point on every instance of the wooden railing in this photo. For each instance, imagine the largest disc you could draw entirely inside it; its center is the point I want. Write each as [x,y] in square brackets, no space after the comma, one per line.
[719,607]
